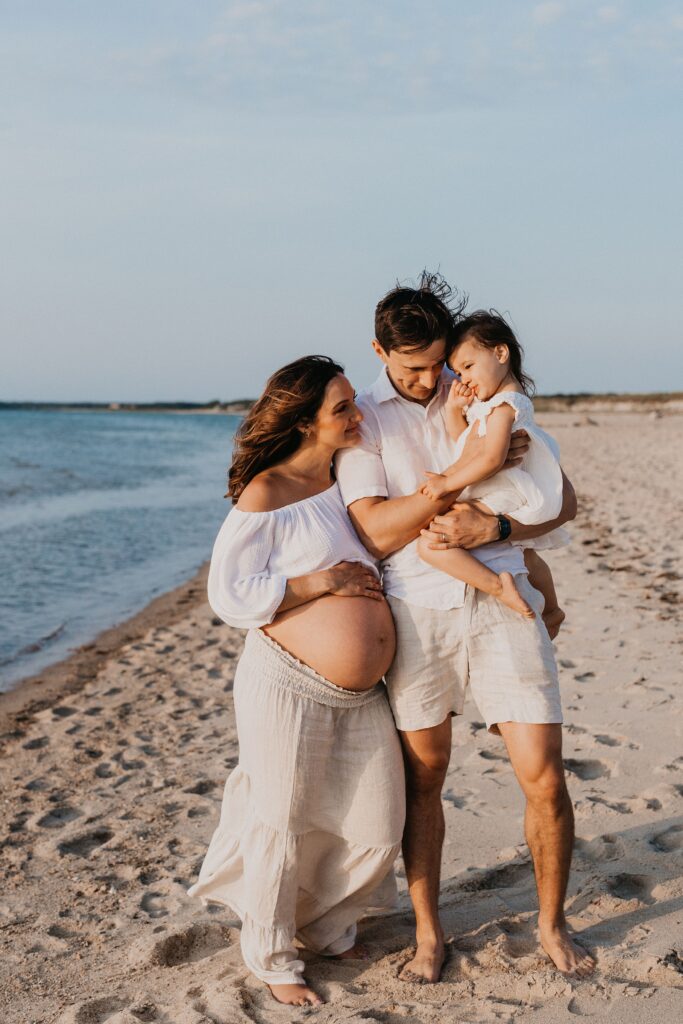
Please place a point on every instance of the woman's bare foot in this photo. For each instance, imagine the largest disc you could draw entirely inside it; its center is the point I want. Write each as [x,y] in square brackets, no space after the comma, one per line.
[296,995]
[425,967]
[568,956]
[511,597]
[553,619]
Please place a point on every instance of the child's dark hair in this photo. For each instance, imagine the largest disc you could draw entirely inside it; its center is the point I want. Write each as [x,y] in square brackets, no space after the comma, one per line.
[489,328]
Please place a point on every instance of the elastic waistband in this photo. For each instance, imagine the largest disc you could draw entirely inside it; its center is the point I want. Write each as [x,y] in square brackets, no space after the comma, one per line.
[282,669]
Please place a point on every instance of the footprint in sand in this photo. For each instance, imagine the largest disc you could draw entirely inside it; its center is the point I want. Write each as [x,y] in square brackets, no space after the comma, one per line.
[64,711]
[607,741]
[84,844]
[586,770]
[92,1011]
[669,840]
[492,755]
[184,946]
[620,806]
[152,904]
[602,848]
[457,800]
[504,877]
[630,887]
[58,817]
[202,787]
[37,785]
[37,744]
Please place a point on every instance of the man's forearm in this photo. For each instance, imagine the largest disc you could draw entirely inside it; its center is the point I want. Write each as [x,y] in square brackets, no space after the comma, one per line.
[386,524]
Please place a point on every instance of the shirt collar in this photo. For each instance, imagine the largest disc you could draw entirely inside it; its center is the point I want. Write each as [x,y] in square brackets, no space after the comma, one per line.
[383,390]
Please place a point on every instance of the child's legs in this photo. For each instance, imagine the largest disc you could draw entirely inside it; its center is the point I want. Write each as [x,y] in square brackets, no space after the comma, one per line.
[460,563]
[464,566]
[541,578]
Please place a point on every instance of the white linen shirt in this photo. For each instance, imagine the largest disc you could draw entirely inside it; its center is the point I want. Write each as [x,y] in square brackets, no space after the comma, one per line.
[400,439]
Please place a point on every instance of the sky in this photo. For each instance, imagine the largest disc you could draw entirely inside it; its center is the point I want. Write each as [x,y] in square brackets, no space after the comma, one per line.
[193,194]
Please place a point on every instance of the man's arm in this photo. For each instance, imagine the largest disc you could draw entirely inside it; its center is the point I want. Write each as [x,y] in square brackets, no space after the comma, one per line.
[385,525]
[466,527]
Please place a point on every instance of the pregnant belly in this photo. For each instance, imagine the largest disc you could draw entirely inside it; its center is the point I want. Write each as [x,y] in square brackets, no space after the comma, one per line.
[348,640]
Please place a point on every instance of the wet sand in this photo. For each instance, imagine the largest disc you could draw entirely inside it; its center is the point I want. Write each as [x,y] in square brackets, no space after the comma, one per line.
[113,768]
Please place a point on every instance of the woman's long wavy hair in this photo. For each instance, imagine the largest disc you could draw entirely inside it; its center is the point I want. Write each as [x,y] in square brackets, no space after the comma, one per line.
[273,428]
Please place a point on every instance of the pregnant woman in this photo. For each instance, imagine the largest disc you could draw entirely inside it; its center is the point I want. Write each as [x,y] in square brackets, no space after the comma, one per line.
[312,815]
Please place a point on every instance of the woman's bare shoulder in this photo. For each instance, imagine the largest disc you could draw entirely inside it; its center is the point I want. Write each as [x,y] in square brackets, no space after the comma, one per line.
[265,493]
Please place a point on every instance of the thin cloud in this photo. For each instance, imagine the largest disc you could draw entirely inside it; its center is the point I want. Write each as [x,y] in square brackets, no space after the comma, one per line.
[546,14]
[608,14]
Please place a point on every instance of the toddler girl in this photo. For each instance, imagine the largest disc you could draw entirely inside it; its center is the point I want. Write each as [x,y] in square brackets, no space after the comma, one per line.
[492,396]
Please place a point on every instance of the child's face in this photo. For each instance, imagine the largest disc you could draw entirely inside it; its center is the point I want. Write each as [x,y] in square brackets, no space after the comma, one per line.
[482,369]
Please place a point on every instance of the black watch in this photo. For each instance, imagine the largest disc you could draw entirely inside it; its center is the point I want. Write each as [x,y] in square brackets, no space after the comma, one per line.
[504,527]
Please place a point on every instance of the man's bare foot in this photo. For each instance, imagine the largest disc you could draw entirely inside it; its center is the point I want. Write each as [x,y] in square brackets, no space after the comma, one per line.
[553,619]
[511,597]
[425,967]
[568,956]
[296,995]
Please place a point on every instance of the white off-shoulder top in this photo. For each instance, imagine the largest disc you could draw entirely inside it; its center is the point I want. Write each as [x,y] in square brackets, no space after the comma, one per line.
[257,552]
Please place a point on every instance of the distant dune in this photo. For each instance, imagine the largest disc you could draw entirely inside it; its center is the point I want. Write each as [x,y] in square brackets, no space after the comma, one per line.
[582,401]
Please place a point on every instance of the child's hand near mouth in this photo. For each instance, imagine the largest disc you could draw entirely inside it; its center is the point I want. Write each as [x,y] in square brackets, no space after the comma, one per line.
[460,396]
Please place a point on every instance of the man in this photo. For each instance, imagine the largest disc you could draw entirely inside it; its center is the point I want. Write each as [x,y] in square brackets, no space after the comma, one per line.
[439,646]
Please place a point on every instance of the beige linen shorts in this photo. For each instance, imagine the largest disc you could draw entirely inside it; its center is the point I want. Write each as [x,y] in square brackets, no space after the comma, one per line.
[507,660]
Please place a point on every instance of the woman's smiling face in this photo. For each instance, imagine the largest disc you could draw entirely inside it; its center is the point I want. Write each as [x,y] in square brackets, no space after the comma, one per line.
[482,369]
[337,420]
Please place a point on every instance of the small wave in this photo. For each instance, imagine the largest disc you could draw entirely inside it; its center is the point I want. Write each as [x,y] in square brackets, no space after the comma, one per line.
[36,646]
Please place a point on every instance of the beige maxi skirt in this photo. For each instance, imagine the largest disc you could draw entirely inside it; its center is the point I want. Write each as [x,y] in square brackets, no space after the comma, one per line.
[312,815]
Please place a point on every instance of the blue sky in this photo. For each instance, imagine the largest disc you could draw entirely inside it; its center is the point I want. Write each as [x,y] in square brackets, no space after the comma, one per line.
[193,194]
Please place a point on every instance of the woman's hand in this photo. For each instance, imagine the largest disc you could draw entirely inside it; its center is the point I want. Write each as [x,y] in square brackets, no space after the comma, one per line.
[353,579]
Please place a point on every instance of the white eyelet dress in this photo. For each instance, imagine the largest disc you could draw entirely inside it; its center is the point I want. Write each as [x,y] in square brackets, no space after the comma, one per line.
[531,492]
[313,813]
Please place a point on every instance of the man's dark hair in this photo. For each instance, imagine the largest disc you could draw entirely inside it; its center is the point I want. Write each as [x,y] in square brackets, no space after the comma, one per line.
[416,317]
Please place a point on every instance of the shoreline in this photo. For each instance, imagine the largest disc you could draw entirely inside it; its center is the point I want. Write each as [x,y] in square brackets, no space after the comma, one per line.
[37,691]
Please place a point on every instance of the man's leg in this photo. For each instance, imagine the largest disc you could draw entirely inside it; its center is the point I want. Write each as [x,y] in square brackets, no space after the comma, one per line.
[426,754]
[536,756]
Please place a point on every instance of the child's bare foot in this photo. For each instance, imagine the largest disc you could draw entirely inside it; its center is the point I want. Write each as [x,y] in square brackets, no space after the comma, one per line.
[295,995]
[511,597]
[553,618]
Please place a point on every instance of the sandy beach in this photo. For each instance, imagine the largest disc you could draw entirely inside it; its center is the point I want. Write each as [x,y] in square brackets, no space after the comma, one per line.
[113,767]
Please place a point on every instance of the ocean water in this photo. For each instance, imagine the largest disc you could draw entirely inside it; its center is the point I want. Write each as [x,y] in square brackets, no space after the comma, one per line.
[99,513]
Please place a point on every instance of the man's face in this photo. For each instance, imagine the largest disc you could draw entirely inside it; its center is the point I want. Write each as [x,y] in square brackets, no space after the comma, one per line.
[414,372]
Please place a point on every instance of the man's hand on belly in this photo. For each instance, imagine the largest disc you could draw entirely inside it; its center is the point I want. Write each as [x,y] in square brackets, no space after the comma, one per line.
[463,527]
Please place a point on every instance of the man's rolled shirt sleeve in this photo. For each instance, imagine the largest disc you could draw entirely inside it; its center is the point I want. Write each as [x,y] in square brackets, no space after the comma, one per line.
[360,470]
